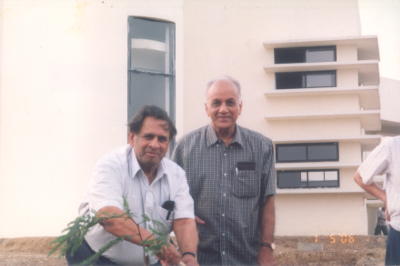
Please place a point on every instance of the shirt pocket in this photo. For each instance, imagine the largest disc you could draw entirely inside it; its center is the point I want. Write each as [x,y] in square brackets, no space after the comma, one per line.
[246,184]
[160,215]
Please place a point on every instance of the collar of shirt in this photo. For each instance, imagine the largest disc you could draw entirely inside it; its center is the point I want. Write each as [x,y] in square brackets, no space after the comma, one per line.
[135,167]
[212,137]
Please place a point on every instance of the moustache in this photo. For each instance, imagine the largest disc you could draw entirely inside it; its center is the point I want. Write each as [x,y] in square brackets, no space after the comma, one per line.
[150,150]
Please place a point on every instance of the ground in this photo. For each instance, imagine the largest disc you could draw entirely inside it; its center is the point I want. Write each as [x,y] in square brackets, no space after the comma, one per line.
[336,250]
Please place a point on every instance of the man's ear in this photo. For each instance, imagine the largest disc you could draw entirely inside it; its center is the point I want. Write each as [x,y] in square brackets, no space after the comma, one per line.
[205,104]
[131,139]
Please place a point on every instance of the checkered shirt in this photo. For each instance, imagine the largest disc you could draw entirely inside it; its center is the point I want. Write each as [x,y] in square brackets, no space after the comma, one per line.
[228,200]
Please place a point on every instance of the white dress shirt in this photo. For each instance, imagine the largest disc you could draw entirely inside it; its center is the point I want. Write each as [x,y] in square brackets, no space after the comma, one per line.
[385,159]
[117,175]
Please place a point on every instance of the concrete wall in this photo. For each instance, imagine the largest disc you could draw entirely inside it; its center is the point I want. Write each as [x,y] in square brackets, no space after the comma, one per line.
[311,214]
[389,92]
[64,85]
[64,102]
[307,128]
[226,37]
[318,104]
[349,152]
[347,179]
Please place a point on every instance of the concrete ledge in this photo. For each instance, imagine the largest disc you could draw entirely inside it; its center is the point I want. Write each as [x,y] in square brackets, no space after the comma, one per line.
[310,247]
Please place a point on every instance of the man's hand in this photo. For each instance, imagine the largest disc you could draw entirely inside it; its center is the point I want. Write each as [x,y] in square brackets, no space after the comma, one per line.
[171,256]
[266,257]
[198,220]
[189,260]
[186,235]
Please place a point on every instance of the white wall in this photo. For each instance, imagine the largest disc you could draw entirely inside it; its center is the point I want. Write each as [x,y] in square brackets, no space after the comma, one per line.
[389,93]
[311,214]
[309,129]
[64,85]
[382,18]
[226,37]
[64,102]
[316,104]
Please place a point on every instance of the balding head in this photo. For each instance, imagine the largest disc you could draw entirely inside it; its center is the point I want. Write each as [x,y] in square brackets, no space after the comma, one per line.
[224,78]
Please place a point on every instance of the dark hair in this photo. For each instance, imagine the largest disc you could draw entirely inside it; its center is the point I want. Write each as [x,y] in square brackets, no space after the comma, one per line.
[136,123]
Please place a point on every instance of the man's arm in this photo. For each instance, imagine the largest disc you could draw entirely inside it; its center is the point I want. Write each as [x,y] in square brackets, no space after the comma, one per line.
[122,226]
[266,255]
[374,190]
[186,235]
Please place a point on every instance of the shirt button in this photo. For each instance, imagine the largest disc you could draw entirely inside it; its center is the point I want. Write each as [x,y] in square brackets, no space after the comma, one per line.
[224,194]
[223,252]
[223,234]
[224,154]
[217,145]
[224,174]
[223,214]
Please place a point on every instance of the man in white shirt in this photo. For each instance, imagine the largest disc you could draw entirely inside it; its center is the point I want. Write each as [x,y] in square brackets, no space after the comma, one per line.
[385,159]
[140,173]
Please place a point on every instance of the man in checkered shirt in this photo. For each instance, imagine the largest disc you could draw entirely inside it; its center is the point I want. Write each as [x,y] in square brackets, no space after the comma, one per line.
[231,176]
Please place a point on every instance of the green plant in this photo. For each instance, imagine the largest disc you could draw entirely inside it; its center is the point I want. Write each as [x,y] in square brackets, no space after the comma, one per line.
[77,230]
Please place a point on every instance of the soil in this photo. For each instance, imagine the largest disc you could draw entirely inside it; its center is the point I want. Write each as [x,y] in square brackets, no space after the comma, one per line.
[336,250]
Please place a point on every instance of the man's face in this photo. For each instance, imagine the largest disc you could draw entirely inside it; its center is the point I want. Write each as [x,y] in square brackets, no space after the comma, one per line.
[151,143]
[223,104]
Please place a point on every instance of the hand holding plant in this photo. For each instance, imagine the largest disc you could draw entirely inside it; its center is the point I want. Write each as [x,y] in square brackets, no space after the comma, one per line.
[156,244]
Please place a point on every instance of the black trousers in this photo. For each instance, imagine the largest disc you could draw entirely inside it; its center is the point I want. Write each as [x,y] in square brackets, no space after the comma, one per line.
[83,252]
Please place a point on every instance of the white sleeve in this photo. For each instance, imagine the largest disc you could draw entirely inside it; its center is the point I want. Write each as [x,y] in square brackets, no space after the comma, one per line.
[105,188]
[184,204]
[377,163]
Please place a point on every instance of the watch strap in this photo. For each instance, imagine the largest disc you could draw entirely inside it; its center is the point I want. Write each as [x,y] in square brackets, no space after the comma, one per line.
[270,245]
[189,253]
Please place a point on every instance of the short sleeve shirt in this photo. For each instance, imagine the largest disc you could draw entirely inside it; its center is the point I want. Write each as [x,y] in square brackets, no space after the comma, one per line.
[229,186]
[385,159]
[118,175]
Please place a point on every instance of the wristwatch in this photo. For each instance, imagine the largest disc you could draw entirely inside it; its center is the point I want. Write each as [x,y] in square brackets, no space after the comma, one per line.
[270,245]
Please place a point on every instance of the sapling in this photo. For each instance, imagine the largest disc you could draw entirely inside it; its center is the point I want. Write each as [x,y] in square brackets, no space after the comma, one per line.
[77,230]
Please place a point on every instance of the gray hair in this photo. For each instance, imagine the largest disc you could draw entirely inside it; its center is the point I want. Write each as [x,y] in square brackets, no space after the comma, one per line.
[225,77]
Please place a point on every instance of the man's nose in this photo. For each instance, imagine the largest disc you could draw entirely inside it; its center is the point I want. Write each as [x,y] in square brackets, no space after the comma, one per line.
[154,143]
[223,108]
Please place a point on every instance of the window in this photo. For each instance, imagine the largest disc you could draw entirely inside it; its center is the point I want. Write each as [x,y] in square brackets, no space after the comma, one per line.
[151,59]
[305,54]
[308,178]
[307,152]
[310,79]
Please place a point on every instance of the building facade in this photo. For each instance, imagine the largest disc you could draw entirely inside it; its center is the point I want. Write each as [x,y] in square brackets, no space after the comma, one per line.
[323,99]
[74,72]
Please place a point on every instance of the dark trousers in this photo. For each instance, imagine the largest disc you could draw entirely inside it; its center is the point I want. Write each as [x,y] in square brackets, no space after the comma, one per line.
[393,247]
[83,252]
[380,228]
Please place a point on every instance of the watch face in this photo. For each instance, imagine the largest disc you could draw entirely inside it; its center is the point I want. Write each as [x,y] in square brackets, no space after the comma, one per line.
[270,245]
